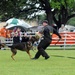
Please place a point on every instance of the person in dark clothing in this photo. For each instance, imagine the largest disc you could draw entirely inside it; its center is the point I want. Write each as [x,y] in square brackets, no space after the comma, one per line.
[25,38]
[16,38]
[46,40]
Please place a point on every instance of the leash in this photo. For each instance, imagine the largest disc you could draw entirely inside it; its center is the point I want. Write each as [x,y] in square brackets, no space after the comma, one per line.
[57,41]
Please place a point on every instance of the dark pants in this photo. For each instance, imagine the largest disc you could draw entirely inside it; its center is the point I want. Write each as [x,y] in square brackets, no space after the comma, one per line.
[41,48]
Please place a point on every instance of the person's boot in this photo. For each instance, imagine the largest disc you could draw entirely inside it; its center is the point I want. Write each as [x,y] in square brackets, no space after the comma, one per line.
[47,57]
[36,56]
[44,54]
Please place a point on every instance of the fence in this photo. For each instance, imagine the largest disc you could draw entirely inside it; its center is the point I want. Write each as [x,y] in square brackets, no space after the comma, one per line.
[68,39]
[9,41]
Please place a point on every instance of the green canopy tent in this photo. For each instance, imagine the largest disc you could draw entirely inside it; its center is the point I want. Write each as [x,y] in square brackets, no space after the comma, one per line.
[13,22]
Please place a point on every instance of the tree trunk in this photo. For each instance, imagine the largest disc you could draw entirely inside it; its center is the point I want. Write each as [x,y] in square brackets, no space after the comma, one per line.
[49,17]
[46,6]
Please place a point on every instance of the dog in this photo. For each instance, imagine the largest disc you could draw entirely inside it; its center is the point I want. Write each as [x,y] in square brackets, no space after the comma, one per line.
[23,46]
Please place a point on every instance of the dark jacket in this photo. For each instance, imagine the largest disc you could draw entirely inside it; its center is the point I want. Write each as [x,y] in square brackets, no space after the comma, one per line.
[48,31]
[16,40]
[25,39]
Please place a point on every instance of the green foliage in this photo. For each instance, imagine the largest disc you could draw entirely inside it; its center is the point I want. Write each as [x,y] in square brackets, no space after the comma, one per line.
[71,21]
[25,8]
[56,4]
[70,3]
[10,8]
[42,17]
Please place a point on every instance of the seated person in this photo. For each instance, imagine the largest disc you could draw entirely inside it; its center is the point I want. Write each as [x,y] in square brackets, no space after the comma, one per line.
[62,29]
[25,38]
[16,38]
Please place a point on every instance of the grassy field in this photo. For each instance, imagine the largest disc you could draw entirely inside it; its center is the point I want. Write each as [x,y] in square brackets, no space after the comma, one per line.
[61,62]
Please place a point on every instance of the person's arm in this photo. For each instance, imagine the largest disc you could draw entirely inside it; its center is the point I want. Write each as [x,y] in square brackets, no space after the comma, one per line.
[56,32]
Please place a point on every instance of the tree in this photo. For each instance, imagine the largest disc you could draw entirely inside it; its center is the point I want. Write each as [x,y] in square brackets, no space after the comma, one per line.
[71,21]
[10,8]
[63,11]
[59,11]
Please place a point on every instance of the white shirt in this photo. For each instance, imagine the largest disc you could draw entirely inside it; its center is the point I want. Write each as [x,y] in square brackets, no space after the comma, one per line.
[62,30]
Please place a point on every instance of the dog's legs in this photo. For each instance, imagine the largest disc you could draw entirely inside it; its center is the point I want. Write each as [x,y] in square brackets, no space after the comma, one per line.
[12,56]
[14,51]
[28,53]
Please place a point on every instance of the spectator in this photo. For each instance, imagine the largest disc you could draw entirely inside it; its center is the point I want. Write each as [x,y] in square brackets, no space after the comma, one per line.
[19,33]
[3,32]
[16,38]
[62,29]
[25,38]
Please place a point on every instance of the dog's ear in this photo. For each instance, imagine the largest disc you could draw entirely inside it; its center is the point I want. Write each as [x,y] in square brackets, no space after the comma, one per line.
[38,35]
[33,39]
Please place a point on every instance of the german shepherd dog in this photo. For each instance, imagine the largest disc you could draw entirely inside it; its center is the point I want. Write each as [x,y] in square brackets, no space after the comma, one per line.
[23,46]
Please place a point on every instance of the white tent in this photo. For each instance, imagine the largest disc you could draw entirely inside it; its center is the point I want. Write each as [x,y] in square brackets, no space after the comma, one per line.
[69,27]
[13,22]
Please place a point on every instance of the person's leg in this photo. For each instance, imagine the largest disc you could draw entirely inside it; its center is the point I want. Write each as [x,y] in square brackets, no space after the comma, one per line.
[37,55]
[43,53]
[41,49]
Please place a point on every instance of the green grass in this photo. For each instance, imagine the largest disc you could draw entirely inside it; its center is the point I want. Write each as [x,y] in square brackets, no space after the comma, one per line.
[61,62]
